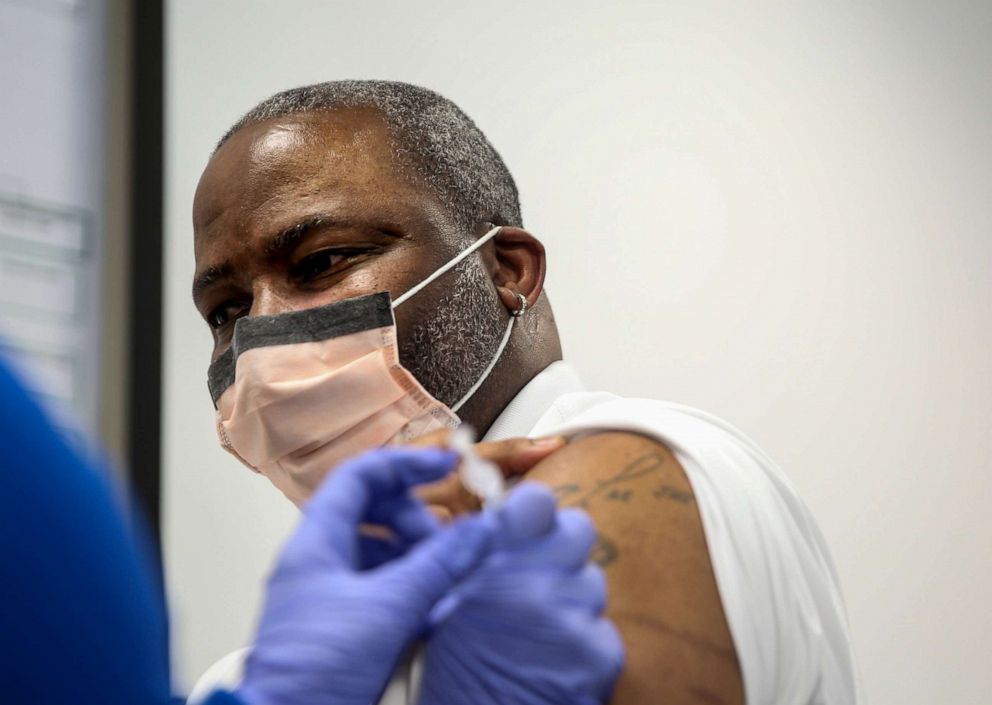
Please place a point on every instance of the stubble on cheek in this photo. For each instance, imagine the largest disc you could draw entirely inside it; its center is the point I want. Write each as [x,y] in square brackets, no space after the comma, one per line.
[451,346]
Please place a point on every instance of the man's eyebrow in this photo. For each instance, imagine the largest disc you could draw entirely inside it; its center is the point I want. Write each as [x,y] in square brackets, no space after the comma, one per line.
[209,277]
[282,243]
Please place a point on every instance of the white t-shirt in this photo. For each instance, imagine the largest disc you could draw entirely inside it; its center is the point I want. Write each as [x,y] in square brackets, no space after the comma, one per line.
[777,583]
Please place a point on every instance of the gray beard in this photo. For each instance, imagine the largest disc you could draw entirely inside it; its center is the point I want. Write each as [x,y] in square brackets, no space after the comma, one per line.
[450,349]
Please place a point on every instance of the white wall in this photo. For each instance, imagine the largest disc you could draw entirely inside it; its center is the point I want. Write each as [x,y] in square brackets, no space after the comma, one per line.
[781,215]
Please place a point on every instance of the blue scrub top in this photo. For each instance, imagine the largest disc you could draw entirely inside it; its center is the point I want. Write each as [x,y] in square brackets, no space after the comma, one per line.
[81,618]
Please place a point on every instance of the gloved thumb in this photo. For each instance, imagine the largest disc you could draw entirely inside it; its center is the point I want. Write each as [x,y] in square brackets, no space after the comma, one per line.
[439,563]
[526,514]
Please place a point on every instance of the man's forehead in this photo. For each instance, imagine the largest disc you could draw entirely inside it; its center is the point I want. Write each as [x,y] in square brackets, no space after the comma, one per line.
[263,160]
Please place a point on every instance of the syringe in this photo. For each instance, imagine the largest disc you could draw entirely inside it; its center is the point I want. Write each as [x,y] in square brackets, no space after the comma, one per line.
[479,476]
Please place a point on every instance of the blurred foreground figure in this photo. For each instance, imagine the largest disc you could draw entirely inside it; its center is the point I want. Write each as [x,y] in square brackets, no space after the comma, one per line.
[80,618]
[362,264]
[82,624]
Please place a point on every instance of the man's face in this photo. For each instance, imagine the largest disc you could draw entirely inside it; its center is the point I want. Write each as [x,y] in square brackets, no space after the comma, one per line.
[299,212]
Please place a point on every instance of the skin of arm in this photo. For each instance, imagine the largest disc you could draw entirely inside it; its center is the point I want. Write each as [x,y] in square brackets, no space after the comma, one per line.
[662,592]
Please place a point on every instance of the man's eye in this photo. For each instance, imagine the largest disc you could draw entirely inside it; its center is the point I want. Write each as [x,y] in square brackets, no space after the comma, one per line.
[321,262]
[225,313]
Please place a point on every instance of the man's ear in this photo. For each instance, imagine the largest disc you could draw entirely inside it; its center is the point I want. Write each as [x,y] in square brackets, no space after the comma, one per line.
[520,266]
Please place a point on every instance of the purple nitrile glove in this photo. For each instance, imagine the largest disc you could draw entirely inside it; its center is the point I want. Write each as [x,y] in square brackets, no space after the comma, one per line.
[337,616]
[526,626]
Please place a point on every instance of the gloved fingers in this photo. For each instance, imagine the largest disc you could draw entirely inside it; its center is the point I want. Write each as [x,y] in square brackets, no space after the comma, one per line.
[552,654]
[526,513]
[529,595]
[434,566]
[343,499]
[573,539]
[405,516]
[593,643]
[565,548]
[400,522]
[452,675]
[585,589]
[375,550]
[607,650]
[329,529]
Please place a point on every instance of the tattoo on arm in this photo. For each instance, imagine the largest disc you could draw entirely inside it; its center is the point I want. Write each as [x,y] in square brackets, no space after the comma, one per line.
[604,551]
[609,491]
[673,493]
[563,492]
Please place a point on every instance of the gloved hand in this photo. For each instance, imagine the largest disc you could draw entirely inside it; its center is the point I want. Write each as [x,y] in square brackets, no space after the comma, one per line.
[526,627]
[331,633]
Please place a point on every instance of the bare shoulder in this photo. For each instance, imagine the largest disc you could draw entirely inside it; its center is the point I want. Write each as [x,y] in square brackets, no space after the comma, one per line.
[662,593]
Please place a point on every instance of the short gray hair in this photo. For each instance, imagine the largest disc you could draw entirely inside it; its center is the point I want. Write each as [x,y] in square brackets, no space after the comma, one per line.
[449,154]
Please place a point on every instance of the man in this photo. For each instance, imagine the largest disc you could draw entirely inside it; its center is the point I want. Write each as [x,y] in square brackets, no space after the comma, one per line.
[719,581]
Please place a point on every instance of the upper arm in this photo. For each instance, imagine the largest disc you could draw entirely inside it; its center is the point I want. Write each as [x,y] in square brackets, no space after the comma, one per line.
[662,592]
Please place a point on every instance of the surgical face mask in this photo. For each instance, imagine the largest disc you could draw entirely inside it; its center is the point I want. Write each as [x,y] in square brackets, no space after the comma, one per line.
[298,392]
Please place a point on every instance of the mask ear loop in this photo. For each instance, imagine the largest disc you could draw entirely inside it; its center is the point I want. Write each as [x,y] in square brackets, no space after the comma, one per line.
[452,263]
[489,367]
[514,315]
